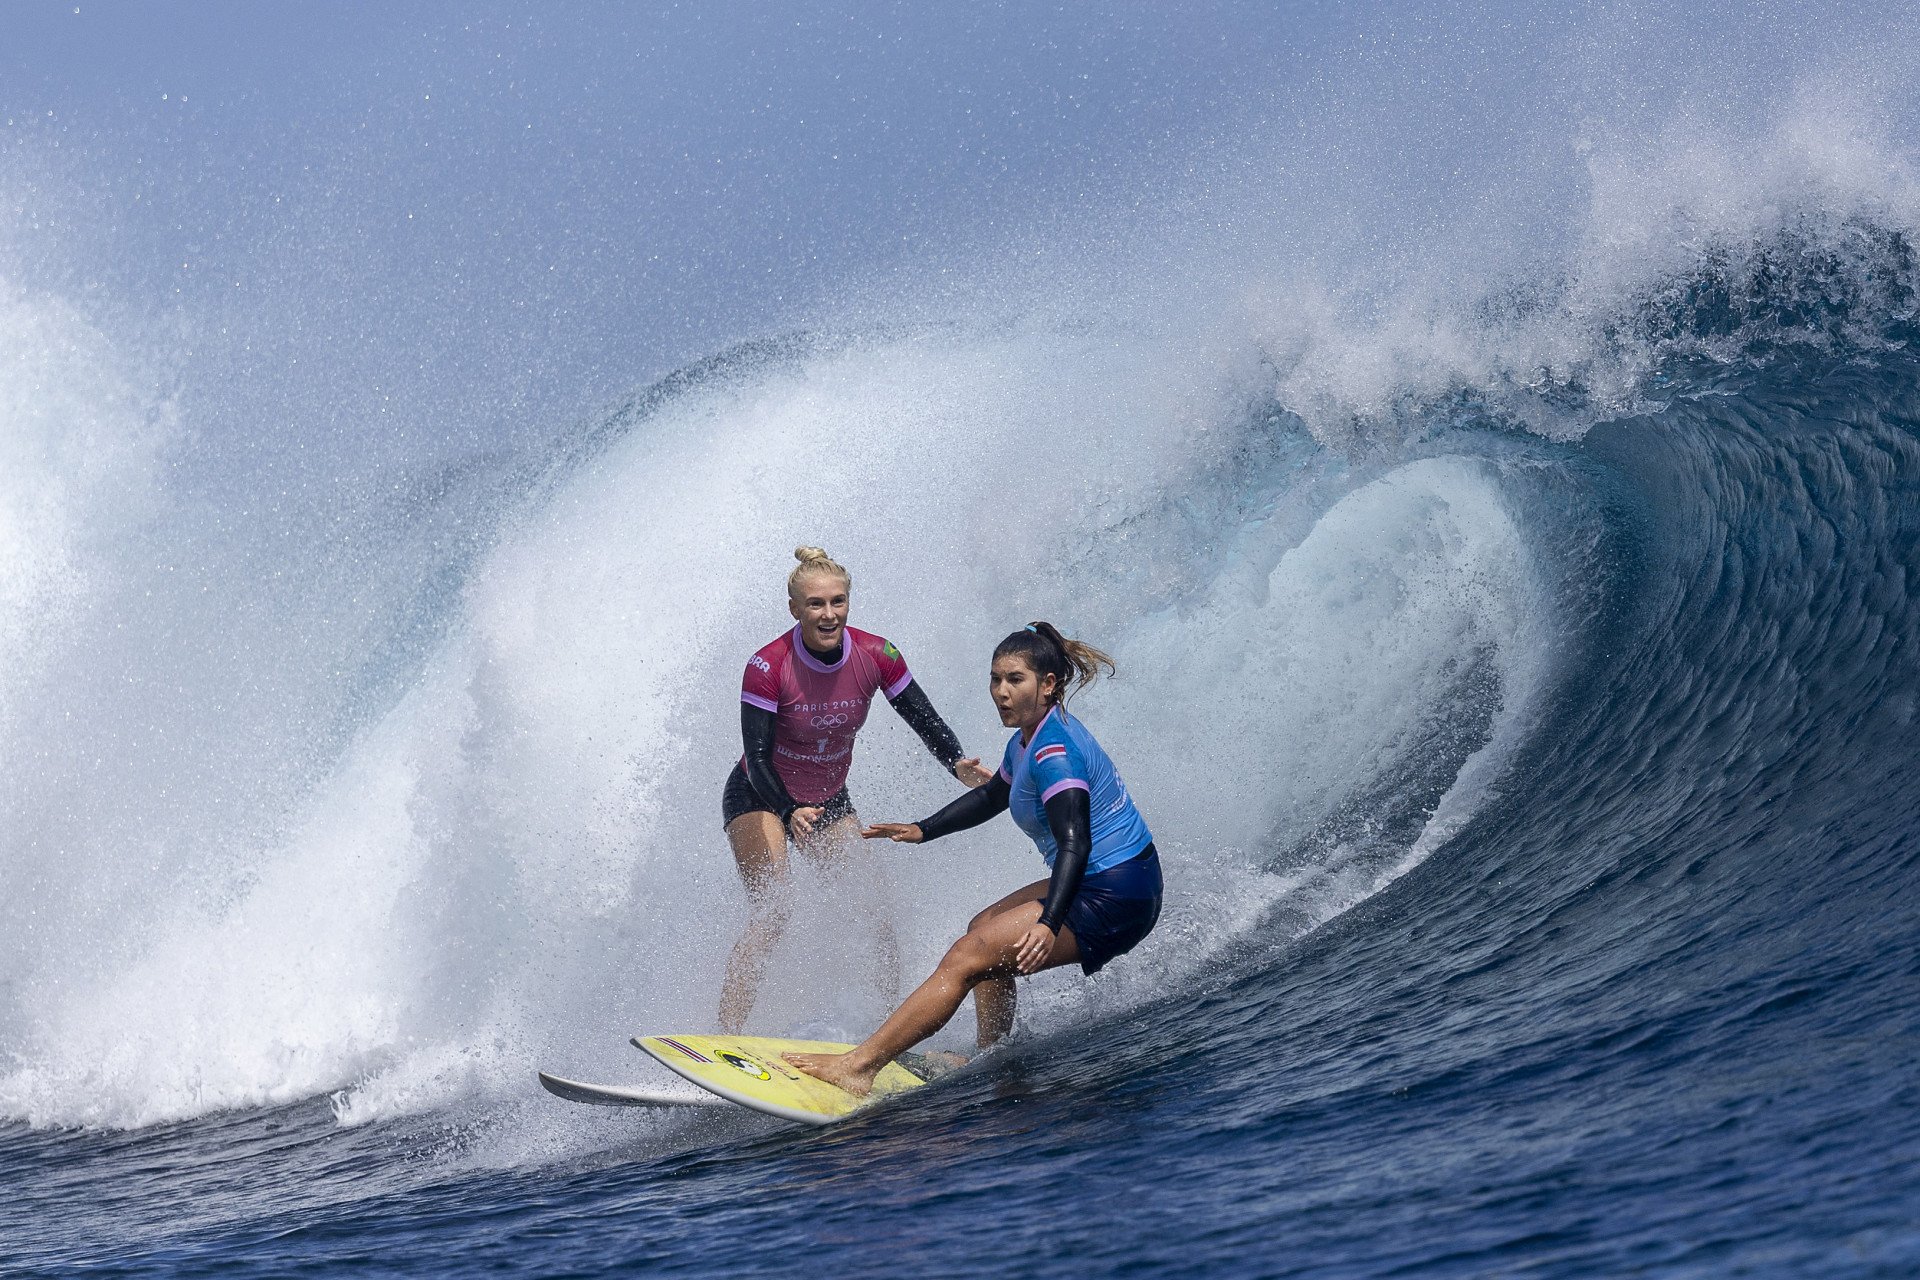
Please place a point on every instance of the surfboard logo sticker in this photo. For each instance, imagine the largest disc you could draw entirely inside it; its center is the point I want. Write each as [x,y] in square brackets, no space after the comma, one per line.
[691,1053]
[748,1065]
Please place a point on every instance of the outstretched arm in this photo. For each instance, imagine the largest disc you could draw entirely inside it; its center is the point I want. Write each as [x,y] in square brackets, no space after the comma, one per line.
[918,712]
[756,730]
[969,810]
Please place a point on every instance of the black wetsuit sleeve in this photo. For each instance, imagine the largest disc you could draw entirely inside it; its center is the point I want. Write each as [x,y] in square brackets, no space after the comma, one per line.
[756,730]
[969,810]
[918,712]
[1070,815]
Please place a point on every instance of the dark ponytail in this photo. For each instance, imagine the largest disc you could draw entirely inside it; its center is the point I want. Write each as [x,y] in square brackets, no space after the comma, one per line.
[1071,663]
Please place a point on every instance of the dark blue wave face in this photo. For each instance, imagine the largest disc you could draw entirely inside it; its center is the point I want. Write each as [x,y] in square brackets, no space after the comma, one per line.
[1655,1008]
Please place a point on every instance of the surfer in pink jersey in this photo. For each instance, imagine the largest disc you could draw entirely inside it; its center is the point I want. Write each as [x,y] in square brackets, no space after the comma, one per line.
[803,700]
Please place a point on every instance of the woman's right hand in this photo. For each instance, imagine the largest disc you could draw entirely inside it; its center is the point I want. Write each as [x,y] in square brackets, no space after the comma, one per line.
[903,832]
[802,820]
[971,772]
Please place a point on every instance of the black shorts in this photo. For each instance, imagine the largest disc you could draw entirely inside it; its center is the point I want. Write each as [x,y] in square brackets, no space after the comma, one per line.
[739,797]
[1115,909]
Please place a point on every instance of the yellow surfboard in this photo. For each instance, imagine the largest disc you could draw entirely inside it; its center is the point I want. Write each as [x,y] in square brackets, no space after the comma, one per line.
[748,1070]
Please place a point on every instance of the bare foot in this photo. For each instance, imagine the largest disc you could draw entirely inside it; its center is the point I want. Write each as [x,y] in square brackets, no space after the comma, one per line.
[834,1069]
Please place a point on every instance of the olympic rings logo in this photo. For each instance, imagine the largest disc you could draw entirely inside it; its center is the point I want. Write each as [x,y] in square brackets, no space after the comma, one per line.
[829,722]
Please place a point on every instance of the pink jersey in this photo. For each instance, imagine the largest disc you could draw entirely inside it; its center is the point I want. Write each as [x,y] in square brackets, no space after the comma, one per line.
[820,707]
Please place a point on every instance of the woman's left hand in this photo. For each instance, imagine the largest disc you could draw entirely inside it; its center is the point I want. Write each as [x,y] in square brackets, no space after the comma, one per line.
[1036,944]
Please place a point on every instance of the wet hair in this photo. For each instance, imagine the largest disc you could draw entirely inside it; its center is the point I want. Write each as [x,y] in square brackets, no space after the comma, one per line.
[1071,663]
[814,560]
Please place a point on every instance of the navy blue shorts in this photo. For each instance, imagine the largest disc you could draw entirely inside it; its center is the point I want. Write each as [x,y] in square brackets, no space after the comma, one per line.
[1115,909]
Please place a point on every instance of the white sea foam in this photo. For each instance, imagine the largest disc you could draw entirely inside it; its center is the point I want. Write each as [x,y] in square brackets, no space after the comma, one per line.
[80,444]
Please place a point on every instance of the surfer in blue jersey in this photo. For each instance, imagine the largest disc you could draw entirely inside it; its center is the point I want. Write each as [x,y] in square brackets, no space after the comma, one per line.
[1102,895]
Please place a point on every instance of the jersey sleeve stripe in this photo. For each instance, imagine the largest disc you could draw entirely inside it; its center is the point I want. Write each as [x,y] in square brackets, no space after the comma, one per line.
[898,686]
[1066,784]
[1005,774]
[755,700]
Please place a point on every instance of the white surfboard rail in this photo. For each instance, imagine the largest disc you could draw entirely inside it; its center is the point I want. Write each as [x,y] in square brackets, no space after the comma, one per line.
[630,1095]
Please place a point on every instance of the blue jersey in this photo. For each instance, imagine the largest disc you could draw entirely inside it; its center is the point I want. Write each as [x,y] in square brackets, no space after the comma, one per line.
[1063,755]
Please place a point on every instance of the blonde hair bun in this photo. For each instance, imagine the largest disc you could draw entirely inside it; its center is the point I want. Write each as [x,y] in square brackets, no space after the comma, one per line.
[814,560]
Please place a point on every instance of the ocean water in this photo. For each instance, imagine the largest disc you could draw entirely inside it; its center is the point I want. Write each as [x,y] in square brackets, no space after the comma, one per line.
[1516,625]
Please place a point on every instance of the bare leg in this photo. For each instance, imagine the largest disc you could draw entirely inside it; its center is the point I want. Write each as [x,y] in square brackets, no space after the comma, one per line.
[863,874]
[986,952]
[760,852]
[887,961]
[994,999]
[993,1008]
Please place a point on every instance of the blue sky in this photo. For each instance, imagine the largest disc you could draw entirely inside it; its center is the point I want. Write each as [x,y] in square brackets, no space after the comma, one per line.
[613,188]
[405,217]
